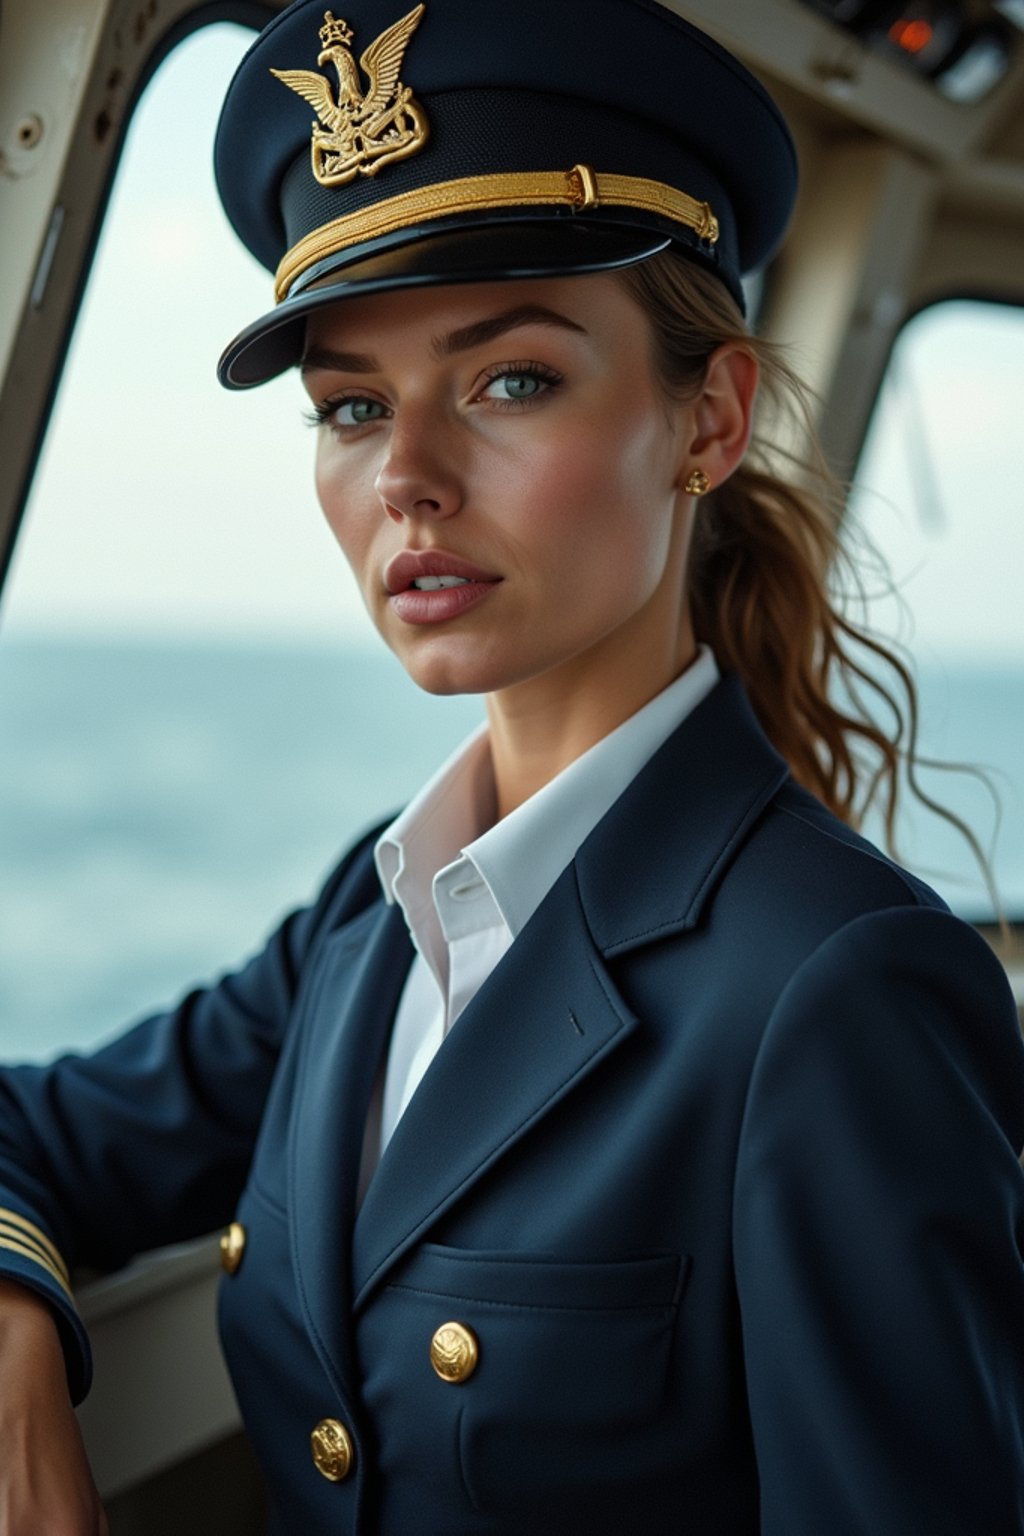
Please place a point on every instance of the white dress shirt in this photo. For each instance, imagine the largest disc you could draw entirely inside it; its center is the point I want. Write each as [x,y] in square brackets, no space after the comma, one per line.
[468,884]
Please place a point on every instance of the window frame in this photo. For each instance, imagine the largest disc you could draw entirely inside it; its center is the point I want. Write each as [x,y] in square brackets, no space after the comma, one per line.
[1006,938]
[53,211]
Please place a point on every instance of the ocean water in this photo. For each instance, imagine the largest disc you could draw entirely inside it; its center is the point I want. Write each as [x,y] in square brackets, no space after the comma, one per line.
[162,806]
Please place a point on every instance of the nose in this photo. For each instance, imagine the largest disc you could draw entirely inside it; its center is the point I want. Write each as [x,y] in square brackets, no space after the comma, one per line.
[417,479]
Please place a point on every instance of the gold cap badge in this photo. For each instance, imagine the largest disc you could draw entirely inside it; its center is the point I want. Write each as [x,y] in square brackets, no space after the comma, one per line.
[363,130]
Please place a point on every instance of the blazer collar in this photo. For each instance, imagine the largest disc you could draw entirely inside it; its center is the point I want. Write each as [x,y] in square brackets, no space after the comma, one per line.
[650,865]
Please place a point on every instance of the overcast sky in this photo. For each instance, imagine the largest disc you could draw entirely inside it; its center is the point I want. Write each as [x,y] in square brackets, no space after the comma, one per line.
[165,504]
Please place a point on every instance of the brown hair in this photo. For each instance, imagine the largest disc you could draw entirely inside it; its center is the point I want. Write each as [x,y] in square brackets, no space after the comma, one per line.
[768,565]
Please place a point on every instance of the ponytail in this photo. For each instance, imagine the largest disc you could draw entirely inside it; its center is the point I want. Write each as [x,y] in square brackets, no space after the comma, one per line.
[760,567]
[770,575]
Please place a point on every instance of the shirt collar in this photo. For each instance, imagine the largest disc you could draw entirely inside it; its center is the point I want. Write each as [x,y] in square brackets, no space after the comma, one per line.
[447,814]
[521,856]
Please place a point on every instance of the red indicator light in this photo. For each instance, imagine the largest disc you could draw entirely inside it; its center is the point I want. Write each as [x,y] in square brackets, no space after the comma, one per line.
[911,36]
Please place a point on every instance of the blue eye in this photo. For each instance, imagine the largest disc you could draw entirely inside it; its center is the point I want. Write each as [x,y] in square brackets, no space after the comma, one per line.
[362,410]
[519,386]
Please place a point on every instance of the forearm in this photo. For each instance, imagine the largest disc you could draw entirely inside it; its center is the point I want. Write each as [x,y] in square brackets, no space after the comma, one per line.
[45,1481]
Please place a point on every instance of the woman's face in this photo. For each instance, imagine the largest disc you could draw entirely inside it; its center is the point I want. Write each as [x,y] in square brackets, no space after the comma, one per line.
[503,475]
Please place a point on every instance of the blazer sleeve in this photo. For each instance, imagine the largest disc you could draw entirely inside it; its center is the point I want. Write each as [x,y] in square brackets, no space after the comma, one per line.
[878,1231]
[148,1140]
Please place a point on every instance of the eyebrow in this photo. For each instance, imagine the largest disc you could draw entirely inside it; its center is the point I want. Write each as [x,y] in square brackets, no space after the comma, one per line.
[477,334]
[483,331]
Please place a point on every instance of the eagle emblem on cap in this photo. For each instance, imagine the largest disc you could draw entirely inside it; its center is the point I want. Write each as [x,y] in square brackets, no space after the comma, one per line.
[361,131]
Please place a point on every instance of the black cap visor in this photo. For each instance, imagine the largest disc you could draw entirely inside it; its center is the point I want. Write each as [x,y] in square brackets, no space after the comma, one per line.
[497,252]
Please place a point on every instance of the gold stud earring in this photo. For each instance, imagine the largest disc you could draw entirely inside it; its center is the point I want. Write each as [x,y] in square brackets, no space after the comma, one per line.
[698,484]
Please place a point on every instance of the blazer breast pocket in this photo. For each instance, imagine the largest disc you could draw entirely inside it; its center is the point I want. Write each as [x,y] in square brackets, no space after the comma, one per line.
[570,1371]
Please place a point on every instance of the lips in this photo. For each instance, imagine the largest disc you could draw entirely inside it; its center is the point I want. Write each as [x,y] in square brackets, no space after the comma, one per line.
[430,586]
[412,566]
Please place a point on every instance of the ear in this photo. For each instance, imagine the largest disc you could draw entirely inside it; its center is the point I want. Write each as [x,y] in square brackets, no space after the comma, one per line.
[722,414]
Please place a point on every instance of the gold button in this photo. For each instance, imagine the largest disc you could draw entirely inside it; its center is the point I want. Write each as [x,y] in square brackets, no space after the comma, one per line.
[332,1450]
[454,1352]
[232,1246]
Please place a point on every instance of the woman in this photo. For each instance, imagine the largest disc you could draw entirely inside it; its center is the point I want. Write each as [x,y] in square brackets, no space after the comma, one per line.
[620,1142]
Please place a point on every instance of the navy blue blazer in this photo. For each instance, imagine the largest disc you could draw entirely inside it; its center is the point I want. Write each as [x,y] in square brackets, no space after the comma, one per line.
[720,1167]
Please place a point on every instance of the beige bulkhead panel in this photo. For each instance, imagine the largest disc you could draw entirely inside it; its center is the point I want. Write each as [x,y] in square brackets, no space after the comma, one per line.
[845,286]
[904,195]
[981,257]
[788,43]
[45,61]
[977,245]
[47,67]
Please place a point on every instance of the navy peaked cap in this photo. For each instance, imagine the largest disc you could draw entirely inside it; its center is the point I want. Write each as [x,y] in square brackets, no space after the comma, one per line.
[472,140]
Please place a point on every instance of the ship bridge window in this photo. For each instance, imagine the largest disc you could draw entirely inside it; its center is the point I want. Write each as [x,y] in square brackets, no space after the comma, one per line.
[194,716]
[938,492]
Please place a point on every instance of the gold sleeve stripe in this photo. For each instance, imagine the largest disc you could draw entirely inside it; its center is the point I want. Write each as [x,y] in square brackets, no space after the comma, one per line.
[21,1244]
[16,1225]
[580,188]
[28,1252]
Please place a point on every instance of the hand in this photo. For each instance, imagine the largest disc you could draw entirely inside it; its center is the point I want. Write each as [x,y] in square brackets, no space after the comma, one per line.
[45,1480]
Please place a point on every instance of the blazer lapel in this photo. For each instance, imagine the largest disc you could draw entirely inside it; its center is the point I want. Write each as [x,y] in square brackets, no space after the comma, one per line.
[650,866]
[549,1013]
[360,979]
[544,1019]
